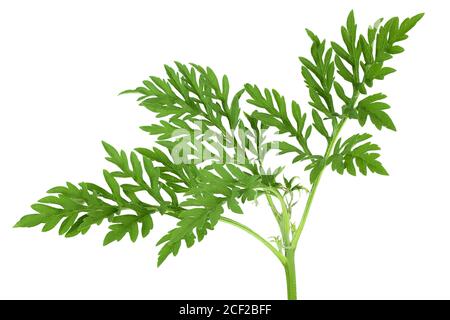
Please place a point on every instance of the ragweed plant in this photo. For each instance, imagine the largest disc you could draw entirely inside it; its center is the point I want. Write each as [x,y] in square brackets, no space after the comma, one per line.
[210,158]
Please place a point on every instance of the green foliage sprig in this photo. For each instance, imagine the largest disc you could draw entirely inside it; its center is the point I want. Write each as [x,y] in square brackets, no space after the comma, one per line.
[197,112]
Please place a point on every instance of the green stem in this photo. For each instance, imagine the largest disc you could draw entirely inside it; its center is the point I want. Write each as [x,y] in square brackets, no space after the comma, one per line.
[283,217]
[257,236]
[291,280]
[330,147]
[289,251]
[275,212]
[312,193]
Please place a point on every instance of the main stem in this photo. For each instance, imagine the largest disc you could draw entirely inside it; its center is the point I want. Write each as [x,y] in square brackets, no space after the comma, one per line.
[291,282]
[284,219]
[291,279]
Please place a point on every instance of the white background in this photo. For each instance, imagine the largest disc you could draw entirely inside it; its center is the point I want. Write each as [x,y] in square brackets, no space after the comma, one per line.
[62,64]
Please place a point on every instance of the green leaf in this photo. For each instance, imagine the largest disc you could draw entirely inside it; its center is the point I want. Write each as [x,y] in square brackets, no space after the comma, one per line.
[68,223]
[372,107]
[341,93]
[195,219]
[112,183]
[45,209]
[233,205]
[30,220]
[122,225]
[343,71]
[268,120]
[319,125]
[137,167]
[112,152]
[316,170]
[310,66]
[384,72]
[352,151]
[147,225]
[351,25]
[409,23]
[109,238]
[235,109]
[341,52]
[312,36]
[285,147]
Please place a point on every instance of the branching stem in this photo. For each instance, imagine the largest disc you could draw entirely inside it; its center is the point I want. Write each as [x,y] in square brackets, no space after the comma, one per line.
[312,193]
[257,236]
[328,152]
